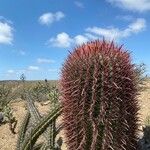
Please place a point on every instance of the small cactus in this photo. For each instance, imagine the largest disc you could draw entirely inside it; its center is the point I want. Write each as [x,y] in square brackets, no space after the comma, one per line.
[35,125]
[99,89]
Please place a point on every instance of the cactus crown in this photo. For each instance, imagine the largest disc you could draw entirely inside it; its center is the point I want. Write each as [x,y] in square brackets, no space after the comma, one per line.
[99,88]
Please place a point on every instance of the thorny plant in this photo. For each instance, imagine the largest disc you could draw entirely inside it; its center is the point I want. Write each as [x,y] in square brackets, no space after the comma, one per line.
[5,97]
[35,125]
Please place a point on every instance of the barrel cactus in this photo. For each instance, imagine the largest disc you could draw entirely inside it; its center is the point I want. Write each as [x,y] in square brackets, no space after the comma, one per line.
[99,98]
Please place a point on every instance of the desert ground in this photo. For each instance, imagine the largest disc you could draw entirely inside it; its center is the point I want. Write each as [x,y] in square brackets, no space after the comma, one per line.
[8,140]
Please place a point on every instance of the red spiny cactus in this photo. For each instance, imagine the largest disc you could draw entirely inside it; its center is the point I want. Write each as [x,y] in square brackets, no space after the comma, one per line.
[100,107]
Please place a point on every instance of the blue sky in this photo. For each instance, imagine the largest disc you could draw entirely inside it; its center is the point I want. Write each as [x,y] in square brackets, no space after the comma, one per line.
[36,35]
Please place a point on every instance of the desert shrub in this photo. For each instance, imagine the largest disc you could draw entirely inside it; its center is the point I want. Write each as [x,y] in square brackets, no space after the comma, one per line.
[10,119]
[39,92]
[141,77]
[44,91]
[5,97]
[53,97]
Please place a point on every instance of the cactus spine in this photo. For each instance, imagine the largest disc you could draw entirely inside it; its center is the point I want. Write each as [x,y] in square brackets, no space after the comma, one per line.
[99,89]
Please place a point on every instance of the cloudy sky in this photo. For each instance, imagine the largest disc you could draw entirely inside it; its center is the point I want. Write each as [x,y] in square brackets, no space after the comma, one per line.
[36,35]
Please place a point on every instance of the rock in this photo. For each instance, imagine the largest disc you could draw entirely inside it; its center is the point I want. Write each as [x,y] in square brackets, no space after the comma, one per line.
[144,142]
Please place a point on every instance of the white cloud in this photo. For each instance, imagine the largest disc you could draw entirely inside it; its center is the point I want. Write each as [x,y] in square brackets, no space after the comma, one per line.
[133,5]
[10,71]
[46,18]
[33,68]
[116,33]
[44,60]
[138,25]
[6,33]
[80,39]
[64,40]
[91,36]
[49,18]
[59,15]
[108,33]
[79,4]
[3,19]
[61,40]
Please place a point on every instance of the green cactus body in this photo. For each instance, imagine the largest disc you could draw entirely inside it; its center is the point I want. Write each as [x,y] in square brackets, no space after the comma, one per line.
[100,107]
